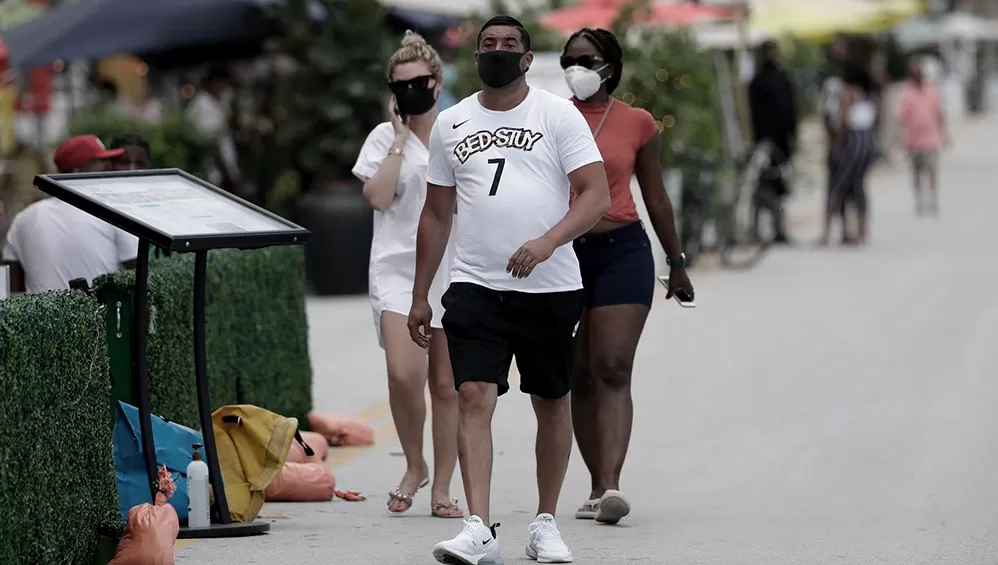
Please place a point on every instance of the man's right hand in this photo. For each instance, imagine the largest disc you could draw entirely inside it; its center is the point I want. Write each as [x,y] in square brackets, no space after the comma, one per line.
[420,315]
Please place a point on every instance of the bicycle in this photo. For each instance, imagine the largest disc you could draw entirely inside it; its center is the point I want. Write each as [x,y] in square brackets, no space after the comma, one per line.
[751,216]
[698,188]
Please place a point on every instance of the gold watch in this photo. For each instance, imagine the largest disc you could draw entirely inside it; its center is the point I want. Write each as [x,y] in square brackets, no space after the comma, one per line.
[395,151]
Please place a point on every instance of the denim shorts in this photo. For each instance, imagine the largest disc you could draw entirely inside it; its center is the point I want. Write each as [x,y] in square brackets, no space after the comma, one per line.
[617,266]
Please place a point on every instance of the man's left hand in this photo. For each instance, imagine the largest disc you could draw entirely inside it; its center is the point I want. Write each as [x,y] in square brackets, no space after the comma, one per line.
[680,281]
[528,256]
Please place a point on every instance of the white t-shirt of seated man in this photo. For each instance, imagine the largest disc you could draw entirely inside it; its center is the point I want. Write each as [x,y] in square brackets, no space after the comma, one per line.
[510,170]
[56,243]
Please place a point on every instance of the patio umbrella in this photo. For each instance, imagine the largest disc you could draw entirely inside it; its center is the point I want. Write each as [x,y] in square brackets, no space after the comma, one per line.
[602,13]
[90,29]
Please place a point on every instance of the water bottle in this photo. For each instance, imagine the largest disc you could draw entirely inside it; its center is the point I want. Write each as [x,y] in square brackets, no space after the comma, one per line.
[199,507]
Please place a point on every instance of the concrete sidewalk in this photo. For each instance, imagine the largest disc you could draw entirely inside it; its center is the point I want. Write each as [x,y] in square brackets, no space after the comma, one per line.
[830,406]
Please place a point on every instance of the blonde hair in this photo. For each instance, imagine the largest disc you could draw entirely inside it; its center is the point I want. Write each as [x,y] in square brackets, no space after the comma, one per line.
[415,48]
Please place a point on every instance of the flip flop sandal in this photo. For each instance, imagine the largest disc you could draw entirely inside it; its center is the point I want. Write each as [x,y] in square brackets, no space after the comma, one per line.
[406,499]
[446,509]
[588,509]
[612,507]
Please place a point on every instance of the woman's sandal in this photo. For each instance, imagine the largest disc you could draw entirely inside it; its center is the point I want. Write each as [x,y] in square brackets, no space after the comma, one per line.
[406,499]
[588,510]
[612,507]
[448,509]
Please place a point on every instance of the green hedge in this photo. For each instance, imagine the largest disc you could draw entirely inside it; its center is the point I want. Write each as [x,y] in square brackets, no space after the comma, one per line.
[256,335]
[57,483]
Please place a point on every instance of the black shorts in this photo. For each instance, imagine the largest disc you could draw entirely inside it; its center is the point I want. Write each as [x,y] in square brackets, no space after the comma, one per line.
[487,328]
[617,266]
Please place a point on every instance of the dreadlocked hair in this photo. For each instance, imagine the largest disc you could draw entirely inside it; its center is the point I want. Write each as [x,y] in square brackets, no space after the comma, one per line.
[608,47]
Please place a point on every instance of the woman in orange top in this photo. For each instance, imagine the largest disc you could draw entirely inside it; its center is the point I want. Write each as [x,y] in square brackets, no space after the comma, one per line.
[618,270]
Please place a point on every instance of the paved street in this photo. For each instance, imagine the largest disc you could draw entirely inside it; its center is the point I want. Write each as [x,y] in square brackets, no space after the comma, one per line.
[831,406]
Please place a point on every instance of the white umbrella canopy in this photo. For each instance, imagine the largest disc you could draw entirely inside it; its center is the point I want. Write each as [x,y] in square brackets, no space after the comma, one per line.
[929,30]
[725,36]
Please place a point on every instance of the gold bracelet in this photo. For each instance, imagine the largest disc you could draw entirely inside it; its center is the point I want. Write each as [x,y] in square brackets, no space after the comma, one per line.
[395,151]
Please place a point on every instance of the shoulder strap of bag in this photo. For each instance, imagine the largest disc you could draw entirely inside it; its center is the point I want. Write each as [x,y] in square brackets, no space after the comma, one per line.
[602,121]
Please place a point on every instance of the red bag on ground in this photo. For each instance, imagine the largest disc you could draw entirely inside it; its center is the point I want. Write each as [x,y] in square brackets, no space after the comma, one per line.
[318,443]
[341,430]
[151,530]
[302,482]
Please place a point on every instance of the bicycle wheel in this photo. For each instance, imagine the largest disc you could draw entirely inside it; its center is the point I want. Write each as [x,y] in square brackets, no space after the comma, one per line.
[741,242]
[692,232]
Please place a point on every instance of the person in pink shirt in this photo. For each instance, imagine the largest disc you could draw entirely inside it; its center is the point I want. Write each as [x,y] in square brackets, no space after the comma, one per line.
[923,127]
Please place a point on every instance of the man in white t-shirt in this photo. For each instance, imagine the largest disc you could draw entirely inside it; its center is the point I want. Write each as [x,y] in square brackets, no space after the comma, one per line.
[509,156]
[51,243]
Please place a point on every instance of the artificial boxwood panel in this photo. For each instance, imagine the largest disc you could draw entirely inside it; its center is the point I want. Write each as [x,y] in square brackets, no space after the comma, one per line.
[57,483]
[256,334]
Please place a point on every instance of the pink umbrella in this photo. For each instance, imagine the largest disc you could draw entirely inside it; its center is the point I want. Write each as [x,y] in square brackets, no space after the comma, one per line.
[602,13]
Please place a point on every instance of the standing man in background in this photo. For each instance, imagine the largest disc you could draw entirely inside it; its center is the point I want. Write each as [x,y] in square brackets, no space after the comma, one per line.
[209,112]
[774,119]
[923,128]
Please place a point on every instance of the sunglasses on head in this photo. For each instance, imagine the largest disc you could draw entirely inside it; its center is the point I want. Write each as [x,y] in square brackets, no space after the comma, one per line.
[586,61]
[400,87]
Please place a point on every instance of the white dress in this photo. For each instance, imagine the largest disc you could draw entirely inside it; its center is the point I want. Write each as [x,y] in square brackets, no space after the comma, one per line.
[393,247]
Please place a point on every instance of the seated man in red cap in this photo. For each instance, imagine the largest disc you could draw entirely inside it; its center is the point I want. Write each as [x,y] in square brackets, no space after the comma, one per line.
[51,243]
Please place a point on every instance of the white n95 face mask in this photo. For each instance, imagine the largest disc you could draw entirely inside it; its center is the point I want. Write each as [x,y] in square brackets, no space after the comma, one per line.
[583,82]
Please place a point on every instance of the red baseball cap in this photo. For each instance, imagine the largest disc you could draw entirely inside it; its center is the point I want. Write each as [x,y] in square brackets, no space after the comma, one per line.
[76,151]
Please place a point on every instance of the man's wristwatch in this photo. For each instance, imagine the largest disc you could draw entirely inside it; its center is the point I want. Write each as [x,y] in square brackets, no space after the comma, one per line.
[395,151]
[679,262]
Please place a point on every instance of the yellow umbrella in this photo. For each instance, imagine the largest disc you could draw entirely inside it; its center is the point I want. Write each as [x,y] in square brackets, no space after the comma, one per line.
[903,9]
[820,21]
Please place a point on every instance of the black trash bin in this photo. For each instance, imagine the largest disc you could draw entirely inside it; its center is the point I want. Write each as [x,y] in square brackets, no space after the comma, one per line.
[342,223]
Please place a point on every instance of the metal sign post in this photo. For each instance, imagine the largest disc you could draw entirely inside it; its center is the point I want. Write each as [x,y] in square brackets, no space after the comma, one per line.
[178,212]
[4,281]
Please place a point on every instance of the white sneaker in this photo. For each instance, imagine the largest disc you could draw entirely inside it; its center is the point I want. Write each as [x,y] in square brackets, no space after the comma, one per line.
[546,545]
[477,544]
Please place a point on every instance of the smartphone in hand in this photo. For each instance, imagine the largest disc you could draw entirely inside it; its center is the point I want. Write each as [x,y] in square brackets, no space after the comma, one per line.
[681,297]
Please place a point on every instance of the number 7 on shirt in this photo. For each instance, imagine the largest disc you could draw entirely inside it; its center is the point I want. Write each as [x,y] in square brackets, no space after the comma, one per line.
[500,163]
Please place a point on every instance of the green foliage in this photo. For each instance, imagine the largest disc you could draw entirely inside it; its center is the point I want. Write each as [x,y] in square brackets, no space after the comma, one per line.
[803,62]
[541,40]
[328,104]
[173,141]
[668,75]
[256,334]
[57,482]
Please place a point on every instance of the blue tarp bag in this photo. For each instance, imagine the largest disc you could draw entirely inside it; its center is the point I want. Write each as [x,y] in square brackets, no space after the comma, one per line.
[174,448]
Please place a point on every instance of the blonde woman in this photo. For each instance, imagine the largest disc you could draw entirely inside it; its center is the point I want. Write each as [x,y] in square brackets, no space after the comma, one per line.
[392,165]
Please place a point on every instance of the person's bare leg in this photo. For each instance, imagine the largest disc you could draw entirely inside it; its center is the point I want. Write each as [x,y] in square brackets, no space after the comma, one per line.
[476,405]
[584,402]
[407,369]
[862,207]
[826,229]
[932,171]
[847,234]
[917,172]
[614,340]
[553,449]
[443,399]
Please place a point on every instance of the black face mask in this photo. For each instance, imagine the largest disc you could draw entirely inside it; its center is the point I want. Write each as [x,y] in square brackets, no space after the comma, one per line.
[499,68]
[416,101]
